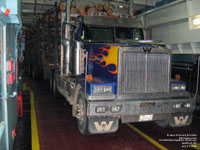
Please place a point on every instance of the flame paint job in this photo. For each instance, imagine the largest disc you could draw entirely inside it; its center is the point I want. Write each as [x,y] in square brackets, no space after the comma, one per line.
[102,61]
[106,56]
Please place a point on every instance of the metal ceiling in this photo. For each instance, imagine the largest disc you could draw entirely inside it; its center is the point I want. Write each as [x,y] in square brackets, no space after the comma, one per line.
[32,9]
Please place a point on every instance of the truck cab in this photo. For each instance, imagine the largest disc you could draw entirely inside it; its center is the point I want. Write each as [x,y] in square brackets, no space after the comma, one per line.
[109,73]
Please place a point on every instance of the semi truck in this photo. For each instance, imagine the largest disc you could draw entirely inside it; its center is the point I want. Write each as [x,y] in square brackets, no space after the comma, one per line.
[108,72]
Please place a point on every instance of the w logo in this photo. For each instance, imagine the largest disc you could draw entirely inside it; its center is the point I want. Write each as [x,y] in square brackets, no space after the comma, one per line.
[181,120]
[103,126]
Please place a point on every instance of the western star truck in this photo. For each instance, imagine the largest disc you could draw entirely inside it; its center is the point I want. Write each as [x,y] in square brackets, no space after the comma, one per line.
[108,73]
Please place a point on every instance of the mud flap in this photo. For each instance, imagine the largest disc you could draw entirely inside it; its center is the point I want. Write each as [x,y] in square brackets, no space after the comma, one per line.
[103,125]
[181,119]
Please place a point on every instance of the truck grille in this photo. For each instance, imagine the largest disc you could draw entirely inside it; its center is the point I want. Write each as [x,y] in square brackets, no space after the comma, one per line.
[143,73]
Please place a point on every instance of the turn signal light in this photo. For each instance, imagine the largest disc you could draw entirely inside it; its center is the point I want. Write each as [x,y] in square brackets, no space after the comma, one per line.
[89,77]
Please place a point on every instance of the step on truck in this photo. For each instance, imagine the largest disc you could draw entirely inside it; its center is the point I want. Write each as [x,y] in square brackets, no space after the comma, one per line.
[108,73]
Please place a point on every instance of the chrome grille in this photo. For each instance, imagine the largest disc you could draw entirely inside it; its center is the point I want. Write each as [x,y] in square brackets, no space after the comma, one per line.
[143,73]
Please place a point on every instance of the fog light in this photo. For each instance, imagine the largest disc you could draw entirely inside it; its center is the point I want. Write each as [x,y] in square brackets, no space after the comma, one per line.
[183,87]
[101,109]
[187,105]
[115,109]
[177,106]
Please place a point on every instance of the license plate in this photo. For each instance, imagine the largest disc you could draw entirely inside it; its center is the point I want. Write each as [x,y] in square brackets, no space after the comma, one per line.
[146,117]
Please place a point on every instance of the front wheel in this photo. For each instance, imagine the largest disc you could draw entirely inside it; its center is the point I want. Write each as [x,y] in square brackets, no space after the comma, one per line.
[82,120]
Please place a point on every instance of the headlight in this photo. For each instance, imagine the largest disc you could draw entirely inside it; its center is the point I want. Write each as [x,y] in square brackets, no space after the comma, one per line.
[177,106]
[178,87]
[102,89]
[115,109]
[101,109]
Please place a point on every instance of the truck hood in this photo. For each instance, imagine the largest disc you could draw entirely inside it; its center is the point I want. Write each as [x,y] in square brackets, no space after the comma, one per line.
[103,58]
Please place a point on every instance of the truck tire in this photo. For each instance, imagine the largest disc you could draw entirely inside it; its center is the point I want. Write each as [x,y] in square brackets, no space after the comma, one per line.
[162,123]
[82,120]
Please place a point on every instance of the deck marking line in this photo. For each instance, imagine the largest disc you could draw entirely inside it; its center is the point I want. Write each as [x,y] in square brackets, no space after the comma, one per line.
[147,137]
[34,129]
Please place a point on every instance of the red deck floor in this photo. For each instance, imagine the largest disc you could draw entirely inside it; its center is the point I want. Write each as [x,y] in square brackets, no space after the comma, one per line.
[58,130]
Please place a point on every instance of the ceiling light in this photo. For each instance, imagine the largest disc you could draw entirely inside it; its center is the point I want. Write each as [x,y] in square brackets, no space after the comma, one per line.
[196,21]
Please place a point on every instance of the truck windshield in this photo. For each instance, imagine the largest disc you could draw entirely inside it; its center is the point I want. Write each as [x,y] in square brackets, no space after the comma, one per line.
[98,34]
[129,33]
[107,35]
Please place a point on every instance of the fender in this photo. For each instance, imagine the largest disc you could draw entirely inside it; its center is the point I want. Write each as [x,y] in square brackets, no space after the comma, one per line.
[75,99]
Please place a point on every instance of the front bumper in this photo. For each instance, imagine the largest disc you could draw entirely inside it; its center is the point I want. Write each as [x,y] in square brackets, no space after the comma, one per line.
[138,111]
[132,109]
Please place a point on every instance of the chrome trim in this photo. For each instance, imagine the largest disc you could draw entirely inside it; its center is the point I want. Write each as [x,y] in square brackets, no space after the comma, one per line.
[101,97]
[77,58]
[170,72]
[146,69]
[133,107]
[62,47]
[129,92]
[182,68]
[86,64]
[67,57]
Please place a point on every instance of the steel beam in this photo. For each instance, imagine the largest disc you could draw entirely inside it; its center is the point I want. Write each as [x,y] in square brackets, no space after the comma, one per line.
[145,2]
[32,11]
[47,2]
